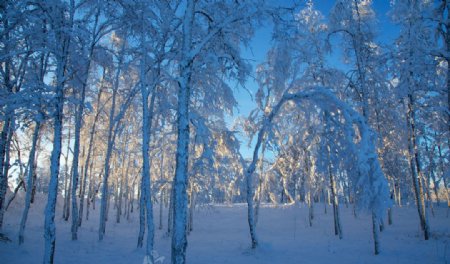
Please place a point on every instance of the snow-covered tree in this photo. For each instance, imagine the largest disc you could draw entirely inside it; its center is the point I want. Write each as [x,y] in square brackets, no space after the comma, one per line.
[210,38]
[415,65]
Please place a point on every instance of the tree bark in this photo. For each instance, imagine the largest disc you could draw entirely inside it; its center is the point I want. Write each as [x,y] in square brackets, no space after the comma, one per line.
[49,226]
[179,240]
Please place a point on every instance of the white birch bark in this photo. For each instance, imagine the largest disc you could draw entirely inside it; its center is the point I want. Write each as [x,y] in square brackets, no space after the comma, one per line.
[147,115]
[180,201]
[49,226]
[61,59]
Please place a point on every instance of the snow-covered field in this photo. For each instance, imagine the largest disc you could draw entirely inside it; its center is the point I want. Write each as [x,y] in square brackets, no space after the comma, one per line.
[221,236]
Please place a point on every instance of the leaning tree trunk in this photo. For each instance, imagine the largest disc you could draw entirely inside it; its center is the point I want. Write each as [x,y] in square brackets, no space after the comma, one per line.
[29,184]
[415,168]
[104,201]
[78,123]
[109,149]
[76,156]
[90,150]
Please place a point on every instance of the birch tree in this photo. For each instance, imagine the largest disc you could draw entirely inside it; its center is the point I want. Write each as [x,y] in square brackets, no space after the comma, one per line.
[61,27]
[115,118]
[14,55]
[95,30]
[355,19]
[208,29]
[369,182]
[413,41]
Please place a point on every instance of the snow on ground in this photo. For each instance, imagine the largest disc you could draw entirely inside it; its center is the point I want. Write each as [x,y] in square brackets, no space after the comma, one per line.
[221,236]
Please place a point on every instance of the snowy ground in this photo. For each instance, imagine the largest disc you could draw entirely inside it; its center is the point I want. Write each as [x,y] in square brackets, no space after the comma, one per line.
[221,236]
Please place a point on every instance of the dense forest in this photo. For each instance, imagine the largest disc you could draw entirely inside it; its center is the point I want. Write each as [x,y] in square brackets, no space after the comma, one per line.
[129,107]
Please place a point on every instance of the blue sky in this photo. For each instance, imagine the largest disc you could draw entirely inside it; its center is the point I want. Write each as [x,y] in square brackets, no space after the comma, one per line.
[256,53]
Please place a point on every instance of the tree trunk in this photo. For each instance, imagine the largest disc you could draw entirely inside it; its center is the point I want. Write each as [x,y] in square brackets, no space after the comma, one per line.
[311,208]
[67,178]
[147,117]
[308,180]
[179,240]
[170,213]
[5,137]
[90,150]
[29,184]
[415,168]
[7,130]
[375,234]
[446,32]
[78,124]
[191,210]
[4,183]
[91,190]
[441,165]
[49,225]
[110,142]
[76,154]
[16,190]
[260,184]
[334,195]
[119,194]
[335,202]
[161,197]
